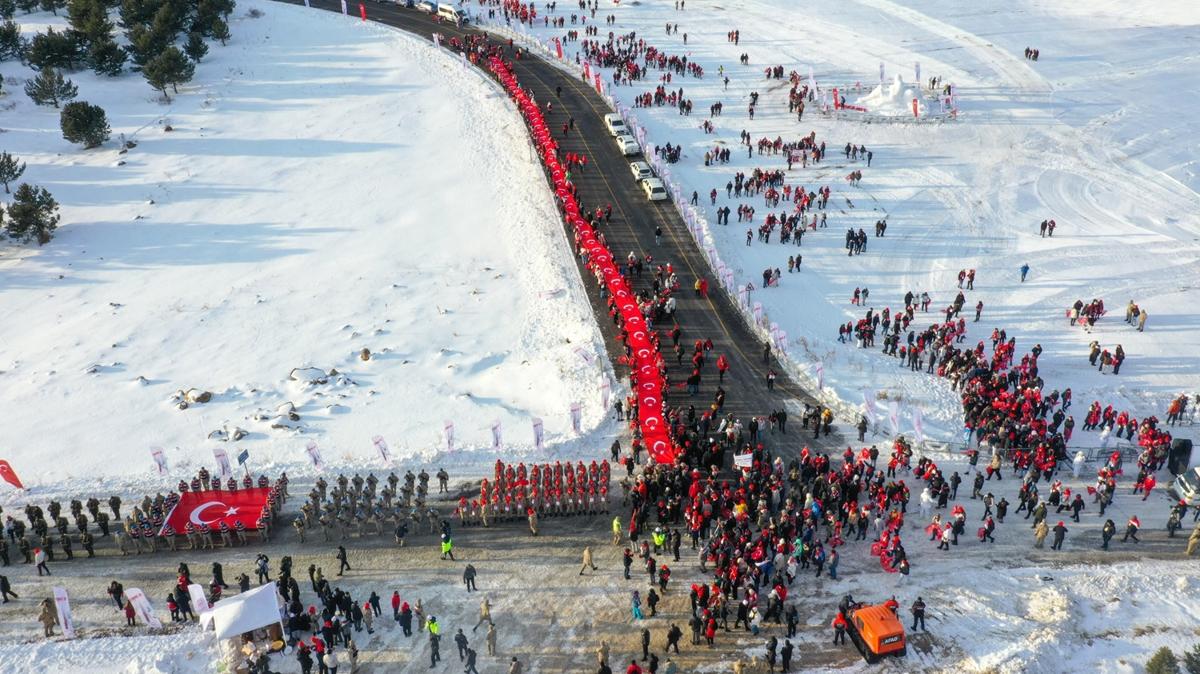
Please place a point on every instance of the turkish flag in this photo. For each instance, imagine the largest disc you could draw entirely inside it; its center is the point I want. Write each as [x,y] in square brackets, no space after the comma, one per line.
[204,509]
[9,475]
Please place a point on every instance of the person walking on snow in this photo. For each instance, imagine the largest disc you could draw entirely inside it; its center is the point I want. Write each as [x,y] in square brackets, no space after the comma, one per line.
[587,560]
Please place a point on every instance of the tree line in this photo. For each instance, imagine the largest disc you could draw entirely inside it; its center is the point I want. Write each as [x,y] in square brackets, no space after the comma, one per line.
[165,39]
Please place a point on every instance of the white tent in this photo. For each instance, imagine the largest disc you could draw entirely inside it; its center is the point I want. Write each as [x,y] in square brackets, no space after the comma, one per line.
[244,612]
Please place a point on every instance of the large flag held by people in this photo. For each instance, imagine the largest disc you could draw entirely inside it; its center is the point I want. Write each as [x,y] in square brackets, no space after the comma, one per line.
[204,509]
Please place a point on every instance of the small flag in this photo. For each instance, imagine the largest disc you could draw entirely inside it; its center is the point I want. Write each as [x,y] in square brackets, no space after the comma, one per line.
[243,456]
[9,475]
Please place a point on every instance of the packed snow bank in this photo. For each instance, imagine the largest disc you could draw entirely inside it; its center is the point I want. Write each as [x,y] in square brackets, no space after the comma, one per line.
[328,186]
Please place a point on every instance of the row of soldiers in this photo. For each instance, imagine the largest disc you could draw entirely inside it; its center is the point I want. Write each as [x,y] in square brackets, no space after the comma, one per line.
[359,505]
[42,528]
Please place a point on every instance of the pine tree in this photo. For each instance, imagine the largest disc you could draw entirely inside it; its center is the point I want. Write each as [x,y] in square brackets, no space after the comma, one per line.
[170,67]
[52,6]
[12,45]
[8,8]
[1191,660]
[195,47]
[84,123]
[10,169]
[89,18]
[55,49]
[50,88]
[27,6]
[145,43]
[32,215]
[137,12]
[1162,662]
[220,30]
[106,58]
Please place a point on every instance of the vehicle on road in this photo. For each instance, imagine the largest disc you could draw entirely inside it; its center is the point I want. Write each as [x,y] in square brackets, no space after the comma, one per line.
[654,189]
[452,13]
[1186,487]
[627,144]
[427,6]
[876,632]
[615,124]
[641,170]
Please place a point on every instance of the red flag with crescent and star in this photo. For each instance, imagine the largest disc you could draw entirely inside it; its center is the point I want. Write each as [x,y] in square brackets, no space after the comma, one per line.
[9,475]
[204,509]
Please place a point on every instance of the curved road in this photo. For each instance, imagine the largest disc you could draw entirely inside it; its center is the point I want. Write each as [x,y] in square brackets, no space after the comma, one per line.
[608,180]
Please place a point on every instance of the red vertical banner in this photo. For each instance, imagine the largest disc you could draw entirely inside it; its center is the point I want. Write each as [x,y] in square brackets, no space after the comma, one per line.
[915,113]
[362,9]
[558,47]
[837,102]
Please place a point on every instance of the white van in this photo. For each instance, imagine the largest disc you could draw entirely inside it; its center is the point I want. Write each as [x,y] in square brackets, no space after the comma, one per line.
[427,6]
[452,13]
[615,124]
[1186,487]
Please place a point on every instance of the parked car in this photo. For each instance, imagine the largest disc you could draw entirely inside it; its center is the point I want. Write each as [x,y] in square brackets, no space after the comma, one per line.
[654,189]
[627,144]
[615,124]
[641,170]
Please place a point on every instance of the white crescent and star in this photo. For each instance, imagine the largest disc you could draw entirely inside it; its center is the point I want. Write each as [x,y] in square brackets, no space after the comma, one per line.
[198,511]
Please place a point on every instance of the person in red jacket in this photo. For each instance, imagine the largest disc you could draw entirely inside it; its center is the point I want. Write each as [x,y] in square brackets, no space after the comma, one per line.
[130,620]
[396,606]
[722,367]
[633,668]
[892,605]
[839,628]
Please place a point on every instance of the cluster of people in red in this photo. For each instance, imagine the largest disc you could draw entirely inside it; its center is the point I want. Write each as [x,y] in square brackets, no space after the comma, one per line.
[545,489]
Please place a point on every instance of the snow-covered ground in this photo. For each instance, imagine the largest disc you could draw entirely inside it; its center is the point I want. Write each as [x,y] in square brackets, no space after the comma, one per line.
[1093,135]
[327,186]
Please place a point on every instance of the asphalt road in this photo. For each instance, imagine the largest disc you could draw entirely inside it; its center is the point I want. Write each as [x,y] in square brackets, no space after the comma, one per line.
[608,180]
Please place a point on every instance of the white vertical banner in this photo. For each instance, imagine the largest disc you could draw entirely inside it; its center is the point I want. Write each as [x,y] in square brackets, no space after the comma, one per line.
[497,440]
[880,66]
[758,312]
[894,416]
[160,459]
[605,394]
[918,426]
[63,604]
[307,4]
[576,417]
[344,7]
[448,429]
[141,606]
[222,462]
[917,67]
[199,601]
[812,81]
[585,355]
[314,454]
[538,435]
[869,405]
[820,376]
[382,447]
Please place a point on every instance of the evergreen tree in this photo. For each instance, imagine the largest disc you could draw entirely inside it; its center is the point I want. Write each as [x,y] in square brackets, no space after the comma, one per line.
[89,18]
[32,215]
[1191,660]
[144,44]
[208,13]
[84,123]
[27,6]
[12,45]
[50,88]
[1162,662]
[170,67]
[55,49]
[106,58]
[220,30]
[52,6]
[8,8]
[10,169]
[137,12]
[195,47]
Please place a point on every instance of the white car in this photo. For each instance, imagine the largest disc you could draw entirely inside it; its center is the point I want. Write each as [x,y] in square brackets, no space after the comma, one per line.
[654,189]
[641,170]
[627,144]
[1186,487]
[615,124]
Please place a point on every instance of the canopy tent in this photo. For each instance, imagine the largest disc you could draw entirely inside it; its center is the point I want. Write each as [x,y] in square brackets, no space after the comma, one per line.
[244,612]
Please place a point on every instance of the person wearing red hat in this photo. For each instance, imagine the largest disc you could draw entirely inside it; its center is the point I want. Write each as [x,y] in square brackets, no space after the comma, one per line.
[1060,533]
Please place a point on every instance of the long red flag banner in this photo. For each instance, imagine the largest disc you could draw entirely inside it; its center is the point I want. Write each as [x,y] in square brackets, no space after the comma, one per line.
[648,381]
